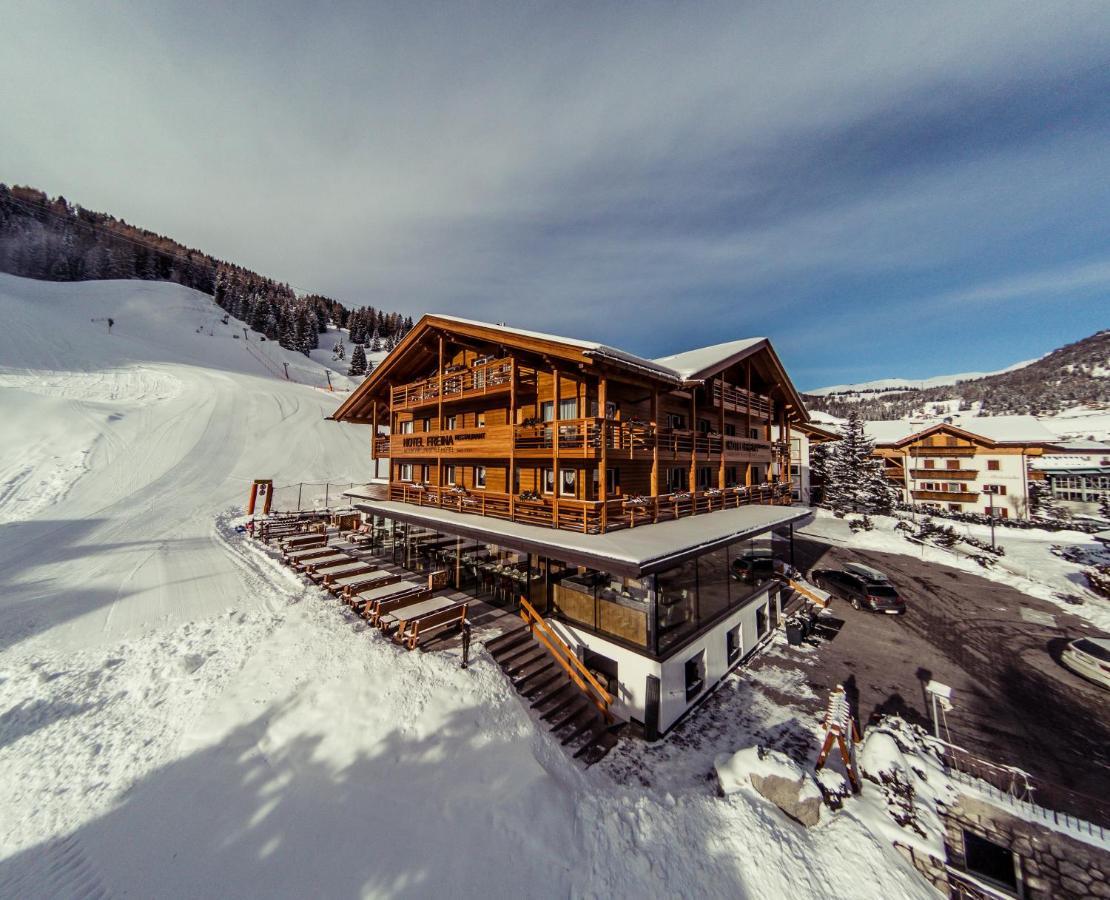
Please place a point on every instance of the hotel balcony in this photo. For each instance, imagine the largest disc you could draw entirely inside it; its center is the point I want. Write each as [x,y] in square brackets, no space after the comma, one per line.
[576,438]
[457,383]
[588,516]
[739,400]
[943,451]
[947,496]
[944,474]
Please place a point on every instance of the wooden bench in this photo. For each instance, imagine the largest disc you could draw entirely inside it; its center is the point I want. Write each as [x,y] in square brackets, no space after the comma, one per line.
[411,630]
[298,559]
[317,569]
[346,588]
[323,559]
[354,567]
[380,613]
[363,601]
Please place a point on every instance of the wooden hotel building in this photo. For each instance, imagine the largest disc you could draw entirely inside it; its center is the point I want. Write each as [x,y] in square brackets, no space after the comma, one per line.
[619,496]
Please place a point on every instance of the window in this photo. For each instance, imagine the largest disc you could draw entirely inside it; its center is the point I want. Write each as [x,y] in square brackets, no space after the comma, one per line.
[448,474]
[610,409]
[451,423]
[479,476]
[406,470]
[703,426]
[612,482]
[547,479]
[568,480]
[730,475]
[705,477]
[425,473]
[678,479]
[999,489]
[568,408]
[951,463]
[989,860]
[406,427]
[481,420]
[754,435]
[677,421]
[547,410]
[730,429]
[999,512]
[930,464]
[761,620]
[425,424]
[994,464]
[695,675]
[955,507]
[733,644]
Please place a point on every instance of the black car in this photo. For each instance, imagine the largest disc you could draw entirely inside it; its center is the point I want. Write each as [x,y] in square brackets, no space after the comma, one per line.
[862,593]
[755,566]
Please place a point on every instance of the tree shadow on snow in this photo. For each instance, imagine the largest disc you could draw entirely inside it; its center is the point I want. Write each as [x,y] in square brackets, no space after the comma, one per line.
[250,816]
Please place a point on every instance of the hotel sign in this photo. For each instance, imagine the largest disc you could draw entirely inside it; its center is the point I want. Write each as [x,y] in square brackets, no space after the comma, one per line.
[490,441]
[440,441]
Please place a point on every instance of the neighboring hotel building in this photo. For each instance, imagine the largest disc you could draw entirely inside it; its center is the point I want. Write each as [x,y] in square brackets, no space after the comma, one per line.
[620,496]
[1078,475]
[971,464]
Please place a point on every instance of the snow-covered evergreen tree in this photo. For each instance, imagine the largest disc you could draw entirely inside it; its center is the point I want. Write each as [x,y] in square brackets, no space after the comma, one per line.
[339,351]
[358,361]
[853,475]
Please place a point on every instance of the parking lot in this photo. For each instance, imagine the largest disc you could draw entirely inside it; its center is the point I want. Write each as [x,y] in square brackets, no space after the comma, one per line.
[994,646]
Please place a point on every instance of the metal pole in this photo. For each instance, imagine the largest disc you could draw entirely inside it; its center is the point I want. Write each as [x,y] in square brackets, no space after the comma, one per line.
[286,370]
[466,642]
[300,485]
[991,495]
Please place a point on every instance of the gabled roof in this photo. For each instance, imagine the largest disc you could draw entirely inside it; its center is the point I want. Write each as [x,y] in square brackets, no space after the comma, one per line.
[985,429]
[679,370]
[693,365]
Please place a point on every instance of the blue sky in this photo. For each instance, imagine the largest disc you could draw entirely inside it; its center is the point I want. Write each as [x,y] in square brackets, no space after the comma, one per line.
[882,189]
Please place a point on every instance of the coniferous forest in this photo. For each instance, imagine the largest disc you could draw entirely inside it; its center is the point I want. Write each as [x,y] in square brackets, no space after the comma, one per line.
[54,240]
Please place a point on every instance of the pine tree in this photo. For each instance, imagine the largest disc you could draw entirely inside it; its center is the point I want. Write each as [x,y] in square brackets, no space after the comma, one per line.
[853,475]
[358,361]
[339,351]
[376,341]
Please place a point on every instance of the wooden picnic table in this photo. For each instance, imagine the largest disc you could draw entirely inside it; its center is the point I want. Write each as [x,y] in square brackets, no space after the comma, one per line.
[352,568]
[419,608]
[343,580]
[387,590]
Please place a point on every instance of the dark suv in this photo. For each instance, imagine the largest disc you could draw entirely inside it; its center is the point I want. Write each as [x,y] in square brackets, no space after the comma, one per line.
[862,593]
[754,566]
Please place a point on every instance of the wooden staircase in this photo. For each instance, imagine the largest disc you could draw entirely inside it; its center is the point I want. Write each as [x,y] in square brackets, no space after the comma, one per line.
[563,693]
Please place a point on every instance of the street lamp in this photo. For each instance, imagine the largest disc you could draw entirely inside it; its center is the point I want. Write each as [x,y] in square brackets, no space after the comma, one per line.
[991,490]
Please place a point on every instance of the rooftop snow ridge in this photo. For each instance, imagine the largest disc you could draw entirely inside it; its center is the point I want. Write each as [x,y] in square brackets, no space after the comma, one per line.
[679,366]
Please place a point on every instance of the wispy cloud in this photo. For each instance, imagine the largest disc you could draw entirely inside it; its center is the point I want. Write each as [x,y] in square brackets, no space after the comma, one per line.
[659,175]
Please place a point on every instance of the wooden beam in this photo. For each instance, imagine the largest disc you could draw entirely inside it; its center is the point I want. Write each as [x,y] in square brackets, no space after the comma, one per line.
[510,488]
[555,446]
[439,423]
[655,445]
[721,430]
[693,440]
[603,485]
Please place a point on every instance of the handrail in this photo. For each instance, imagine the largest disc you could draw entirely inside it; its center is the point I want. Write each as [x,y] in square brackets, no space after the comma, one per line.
[570,663]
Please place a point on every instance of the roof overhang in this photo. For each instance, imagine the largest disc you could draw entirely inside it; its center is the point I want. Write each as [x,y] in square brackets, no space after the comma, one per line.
[631,552]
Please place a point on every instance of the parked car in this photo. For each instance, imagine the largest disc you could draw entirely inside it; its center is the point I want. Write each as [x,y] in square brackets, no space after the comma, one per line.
[862,593]
[1089,657]
[756,565]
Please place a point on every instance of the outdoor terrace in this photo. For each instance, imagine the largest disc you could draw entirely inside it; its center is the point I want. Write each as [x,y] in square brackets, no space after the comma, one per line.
[588,516]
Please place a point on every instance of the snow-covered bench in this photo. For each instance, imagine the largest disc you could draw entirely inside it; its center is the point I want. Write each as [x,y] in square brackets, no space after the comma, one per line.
[364,601]
[411,630]
[347,586]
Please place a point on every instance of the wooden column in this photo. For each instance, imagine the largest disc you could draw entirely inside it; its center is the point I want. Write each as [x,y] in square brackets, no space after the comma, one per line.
[655,445]
[693,440]
[374,435]
[555,447]
[721,430]
[392,431]
[439,427]
[770,436]
[511,487]
[748,426]
[603,482]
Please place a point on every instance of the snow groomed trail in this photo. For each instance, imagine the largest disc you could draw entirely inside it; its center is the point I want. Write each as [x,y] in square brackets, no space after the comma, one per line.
[181,717]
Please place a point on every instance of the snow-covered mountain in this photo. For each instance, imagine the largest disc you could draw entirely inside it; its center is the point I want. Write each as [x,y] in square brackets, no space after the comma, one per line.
[883,385]
[1073,377]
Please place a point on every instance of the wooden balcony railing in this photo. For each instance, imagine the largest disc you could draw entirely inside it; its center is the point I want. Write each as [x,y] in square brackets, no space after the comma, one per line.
[380,447]
[947,496]
[474,381]
[945,474]
[923,450]
[585,516]
[586,437]
[739,400]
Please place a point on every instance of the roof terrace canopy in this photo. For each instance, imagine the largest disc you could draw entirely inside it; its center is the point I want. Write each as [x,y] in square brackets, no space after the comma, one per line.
[630,551]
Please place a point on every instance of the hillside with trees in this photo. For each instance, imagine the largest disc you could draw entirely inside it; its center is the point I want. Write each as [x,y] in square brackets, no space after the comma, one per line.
[1075,375]
[54,240]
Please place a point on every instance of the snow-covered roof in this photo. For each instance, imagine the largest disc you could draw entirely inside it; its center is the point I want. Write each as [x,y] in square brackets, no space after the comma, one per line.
[590,348]
[1000,429]
[692,362]
[629,551]
[1073,463]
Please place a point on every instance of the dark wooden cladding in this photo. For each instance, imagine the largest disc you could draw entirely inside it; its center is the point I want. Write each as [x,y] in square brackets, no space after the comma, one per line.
[559,433]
